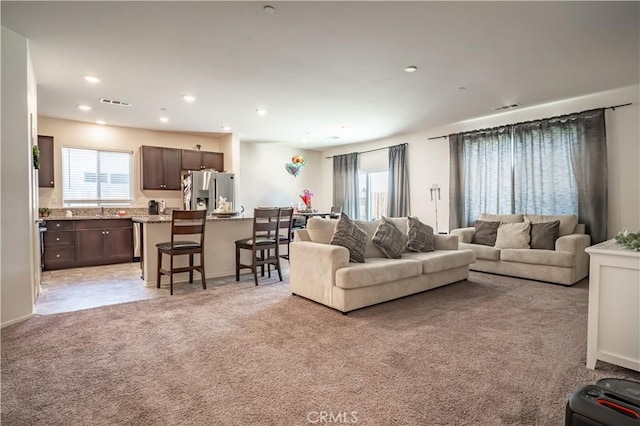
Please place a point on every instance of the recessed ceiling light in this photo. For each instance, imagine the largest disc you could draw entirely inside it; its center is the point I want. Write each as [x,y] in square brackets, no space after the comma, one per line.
[101,122]
[268,9]
[261,111]
[411,68]
[226,128]
[84,107]
[189,98]
[164,119]
[91,79]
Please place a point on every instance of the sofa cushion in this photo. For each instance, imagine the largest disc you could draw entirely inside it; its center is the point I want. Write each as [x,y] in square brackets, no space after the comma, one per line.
[539,257]
[482,252]
[369,227]
[568,222]
[513,235]
[348,235]
[389,239]
[544,235]
[440,260]
[486,233]
[376,271]
[420,236]
[321,230]
[504,218]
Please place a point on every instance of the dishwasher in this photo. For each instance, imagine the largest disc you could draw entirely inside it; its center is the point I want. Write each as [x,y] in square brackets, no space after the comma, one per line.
[136,241]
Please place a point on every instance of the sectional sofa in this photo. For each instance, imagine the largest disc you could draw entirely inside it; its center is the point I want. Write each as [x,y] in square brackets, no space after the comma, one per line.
[322,272]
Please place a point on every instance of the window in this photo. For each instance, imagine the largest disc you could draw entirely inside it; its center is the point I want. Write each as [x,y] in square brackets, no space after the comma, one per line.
[373,190]
[92,177]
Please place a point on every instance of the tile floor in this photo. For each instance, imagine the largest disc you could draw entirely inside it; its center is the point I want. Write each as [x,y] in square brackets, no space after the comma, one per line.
[74,289]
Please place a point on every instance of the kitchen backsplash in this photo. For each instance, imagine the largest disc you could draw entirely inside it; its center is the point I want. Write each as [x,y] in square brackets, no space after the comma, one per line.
[97,211]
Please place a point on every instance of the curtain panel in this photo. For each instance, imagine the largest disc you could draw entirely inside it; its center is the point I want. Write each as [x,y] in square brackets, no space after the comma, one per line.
[345,183]
[398,202]
[480,175]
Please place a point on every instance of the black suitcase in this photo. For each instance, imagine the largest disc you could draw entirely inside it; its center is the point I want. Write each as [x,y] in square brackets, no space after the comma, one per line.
[609,402]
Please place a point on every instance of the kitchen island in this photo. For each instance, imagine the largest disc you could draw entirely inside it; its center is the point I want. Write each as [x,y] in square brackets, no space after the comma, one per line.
[219,246]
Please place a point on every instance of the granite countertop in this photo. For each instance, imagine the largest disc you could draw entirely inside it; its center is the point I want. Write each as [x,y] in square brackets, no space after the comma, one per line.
[167,219]
[94,217]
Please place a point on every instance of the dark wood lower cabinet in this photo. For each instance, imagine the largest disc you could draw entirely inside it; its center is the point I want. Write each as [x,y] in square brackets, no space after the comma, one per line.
[88,243]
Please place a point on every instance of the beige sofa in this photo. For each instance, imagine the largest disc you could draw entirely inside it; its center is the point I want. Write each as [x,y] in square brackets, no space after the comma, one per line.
[567,264]
[321,272]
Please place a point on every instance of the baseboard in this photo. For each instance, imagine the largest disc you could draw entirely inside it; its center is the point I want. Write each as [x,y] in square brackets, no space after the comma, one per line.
[16,320]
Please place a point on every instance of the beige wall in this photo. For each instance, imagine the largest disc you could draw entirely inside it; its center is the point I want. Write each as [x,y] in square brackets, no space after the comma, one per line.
[78,134]
[263,180]
[18,268]
[429,159]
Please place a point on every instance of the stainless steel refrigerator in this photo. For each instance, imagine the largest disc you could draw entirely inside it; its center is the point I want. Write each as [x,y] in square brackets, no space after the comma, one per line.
[202,190]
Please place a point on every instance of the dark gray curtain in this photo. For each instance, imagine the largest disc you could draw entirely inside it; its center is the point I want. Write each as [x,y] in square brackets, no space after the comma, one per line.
[398,201]
[479,175]
[345,184]
[552,166]
[561,168]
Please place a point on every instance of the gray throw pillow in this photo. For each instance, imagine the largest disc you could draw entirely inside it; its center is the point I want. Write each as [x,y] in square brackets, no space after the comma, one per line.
[486,233]
[348,235]
[420,236]
[389,239]
[544,235]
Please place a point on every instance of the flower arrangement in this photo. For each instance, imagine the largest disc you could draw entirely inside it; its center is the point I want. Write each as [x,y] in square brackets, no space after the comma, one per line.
[306,198]
[628,239]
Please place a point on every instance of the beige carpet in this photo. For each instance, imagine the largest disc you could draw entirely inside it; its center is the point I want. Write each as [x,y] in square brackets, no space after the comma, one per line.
[488,351]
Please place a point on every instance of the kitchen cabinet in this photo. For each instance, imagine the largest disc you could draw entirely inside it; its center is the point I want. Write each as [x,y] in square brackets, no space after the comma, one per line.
[73,243]
[202,160]
[103,241]
[161,168]
[46,176]
[59,245]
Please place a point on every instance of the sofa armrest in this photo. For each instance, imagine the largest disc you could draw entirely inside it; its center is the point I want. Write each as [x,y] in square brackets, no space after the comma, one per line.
[445,242]
[576,244]
[312,269]
[573,243]
[465,235]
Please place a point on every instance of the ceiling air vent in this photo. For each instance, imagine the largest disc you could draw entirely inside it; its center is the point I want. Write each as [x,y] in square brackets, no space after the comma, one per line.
[112,102]
[501,108]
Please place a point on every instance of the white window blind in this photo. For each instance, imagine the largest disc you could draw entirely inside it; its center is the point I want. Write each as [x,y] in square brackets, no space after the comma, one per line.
[93,177]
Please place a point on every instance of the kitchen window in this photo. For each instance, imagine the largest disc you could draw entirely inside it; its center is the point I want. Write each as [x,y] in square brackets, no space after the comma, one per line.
[93,177]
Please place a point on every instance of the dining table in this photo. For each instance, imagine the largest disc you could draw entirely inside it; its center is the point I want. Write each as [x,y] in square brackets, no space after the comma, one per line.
[306,215]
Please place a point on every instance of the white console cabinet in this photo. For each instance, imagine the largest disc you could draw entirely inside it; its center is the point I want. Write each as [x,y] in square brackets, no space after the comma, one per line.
[614,306]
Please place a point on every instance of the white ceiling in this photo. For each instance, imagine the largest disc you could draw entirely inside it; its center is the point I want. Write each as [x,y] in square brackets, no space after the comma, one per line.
[318,66]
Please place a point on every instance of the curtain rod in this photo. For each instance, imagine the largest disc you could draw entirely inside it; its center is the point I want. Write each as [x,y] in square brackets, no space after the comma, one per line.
[531,121]
[371,150]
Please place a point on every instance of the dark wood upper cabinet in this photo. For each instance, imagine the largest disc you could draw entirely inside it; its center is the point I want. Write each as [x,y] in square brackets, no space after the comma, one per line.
[202,160]
[46,176]
[213,160]
[191,160]
[161,168]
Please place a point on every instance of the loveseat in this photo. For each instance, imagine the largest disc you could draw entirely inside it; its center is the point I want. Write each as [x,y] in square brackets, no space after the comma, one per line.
[563,261]
[322,272]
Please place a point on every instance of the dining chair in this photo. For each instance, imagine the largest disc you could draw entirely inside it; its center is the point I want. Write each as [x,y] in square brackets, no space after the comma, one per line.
[335,212]
[263,243]
[286,229]
[183,222]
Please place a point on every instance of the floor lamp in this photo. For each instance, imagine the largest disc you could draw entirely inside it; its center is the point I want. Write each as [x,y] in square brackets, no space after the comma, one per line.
[435,196]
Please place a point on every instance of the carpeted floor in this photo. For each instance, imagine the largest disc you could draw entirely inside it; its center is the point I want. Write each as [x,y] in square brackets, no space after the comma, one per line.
[488,351]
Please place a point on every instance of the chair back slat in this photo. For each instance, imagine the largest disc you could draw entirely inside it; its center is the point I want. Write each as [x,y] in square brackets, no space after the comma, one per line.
[188,222]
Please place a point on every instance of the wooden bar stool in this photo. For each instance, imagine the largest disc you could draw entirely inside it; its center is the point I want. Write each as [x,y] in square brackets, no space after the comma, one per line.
[184,222]
[286,225]
[266,227]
